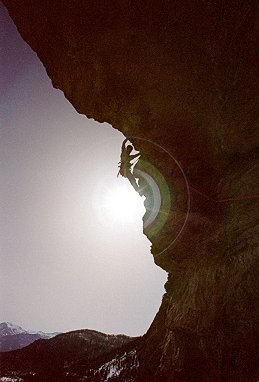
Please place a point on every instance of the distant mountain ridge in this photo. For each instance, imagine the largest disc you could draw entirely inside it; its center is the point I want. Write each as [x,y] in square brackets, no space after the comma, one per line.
[71,356]
[14,337]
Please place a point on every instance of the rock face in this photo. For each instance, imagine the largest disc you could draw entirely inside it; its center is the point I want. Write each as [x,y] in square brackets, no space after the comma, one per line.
[181,74]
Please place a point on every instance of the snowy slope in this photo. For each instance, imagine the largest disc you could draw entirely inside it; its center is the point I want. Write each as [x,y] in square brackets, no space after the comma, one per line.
[124,366]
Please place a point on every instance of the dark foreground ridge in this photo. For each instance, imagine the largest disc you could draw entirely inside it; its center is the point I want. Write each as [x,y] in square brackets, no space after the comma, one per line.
[183,75]
[73,356]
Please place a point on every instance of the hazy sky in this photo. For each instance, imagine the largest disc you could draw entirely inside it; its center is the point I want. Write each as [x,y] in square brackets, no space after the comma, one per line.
[68,260]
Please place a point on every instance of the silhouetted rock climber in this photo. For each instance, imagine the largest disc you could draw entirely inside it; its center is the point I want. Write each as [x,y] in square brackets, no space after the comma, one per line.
[125,164]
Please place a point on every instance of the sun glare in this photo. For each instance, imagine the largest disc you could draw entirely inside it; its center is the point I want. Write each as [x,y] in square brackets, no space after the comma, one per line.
[122,202]
[123,205]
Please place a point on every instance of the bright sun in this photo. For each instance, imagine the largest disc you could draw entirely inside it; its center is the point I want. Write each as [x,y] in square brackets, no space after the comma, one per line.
[121,204]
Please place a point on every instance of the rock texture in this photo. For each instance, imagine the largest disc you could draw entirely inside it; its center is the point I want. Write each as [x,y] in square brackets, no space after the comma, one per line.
[182,74]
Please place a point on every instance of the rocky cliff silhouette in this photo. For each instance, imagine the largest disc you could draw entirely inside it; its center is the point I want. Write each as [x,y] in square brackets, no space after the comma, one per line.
[182,75]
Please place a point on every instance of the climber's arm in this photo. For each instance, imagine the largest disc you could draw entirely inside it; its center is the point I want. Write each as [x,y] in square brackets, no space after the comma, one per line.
[123,146]
[134,156]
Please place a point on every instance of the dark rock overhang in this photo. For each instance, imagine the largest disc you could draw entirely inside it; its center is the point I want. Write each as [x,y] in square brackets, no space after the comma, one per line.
[183,75]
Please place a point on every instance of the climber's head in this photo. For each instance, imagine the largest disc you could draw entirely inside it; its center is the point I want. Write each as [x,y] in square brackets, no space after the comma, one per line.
[129,149]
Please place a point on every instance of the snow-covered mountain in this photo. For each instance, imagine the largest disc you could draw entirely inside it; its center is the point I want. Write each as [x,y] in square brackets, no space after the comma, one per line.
[9,329]
[14,337]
